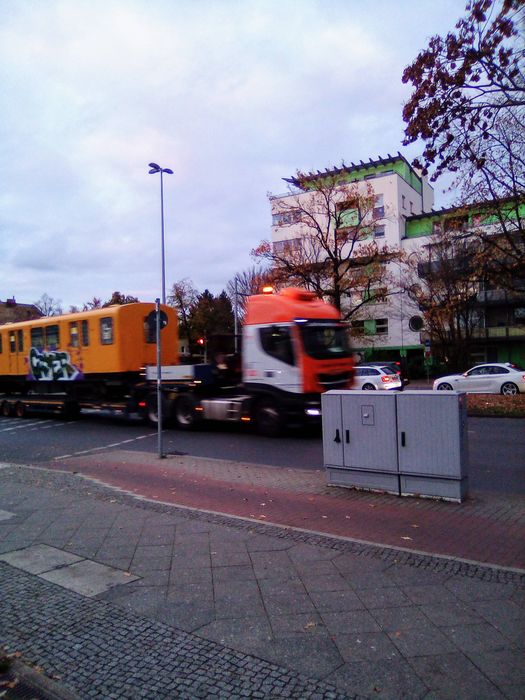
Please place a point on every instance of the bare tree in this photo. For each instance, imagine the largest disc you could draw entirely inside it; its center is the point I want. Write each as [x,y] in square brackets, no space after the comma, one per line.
[468,107]
[49,306]
[334,252]
[183,296]
[244,284]
[443,279]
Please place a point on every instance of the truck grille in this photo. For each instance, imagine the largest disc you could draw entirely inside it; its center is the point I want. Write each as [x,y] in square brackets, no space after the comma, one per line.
[334,381]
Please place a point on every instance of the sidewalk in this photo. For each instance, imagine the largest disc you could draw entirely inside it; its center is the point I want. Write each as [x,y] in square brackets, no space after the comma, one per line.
[122,596]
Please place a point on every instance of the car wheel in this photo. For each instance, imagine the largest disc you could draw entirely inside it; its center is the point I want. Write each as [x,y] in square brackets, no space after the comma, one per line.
[185,414]
[444,386]
[7,409]
[268,418]
[509,389]
[368,387]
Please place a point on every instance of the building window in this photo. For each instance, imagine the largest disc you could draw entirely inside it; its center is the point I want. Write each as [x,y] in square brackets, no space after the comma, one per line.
[73,334]
[379,207]
[370,177]
[85,333]
[403,201]
[285,218]
[358,327]
[436,228]
[382,326]
[411,207]
[379,231]
[106,331]
[287,246]
[52,337]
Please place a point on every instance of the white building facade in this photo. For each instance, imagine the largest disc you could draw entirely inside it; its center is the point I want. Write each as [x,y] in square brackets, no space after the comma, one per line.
[382,329]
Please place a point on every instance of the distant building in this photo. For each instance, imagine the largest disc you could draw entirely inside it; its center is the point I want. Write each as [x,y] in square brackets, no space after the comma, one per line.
[11,311]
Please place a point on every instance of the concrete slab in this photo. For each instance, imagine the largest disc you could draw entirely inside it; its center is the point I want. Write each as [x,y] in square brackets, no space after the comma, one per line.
[5,515]
[88,577]
[39,558]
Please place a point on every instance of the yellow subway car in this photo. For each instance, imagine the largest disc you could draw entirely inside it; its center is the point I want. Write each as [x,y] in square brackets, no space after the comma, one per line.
[103,348]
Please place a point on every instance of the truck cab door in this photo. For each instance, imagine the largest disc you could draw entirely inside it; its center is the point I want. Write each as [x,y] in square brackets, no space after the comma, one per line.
[270,358]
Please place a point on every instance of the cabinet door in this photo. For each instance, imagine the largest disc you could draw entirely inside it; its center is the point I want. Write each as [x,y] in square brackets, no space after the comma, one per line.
[332,429]
[432,434]
[369,431]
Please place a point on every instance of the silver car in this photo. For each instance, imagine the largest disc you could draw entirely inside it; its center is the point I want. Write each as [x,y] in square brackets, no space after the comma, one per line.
[376,377]
[491,378]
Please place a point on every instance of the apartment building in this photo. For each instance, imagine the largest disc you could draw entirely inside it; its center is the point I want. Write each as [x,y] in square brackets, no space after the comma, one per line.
[403,218]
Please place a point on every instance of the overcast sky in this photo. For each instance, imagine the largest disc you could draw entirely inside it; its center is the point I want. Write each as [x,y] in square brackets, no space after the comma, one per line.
[233,95]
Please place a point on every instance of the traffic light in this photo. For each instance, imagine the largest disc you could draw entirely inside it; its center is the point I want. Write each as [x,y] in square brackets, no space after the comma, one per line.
[200,341]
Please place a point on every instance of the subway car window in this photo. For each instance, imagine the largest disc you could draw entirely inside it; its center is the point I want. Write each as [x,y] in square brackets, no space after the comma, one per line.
[73,334]
[20,335]
[37,338]
[85,333]
[52,337]
[1,344]
[12,342]
[106,331]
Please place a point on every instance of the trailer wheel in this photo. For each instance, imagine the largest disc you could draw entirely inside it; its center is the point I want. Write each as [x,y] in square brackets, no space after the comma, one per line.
[20,409]
[7,409]
[185,414]
[152,413]
[268,418]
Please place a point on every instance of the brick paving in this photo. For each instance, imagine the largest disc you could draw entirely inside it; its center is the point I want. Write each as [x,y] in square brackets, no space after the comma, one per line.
[229,607]
[486,528]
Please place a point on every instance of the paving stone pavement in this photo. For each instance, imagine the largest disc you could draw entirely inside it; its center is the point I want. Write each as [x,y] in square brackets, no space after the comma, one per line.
[214,606]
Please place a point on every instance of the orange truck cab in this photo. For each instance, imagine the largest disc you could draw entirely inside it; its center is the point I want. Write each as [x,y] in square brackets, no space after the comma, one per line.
[295,347]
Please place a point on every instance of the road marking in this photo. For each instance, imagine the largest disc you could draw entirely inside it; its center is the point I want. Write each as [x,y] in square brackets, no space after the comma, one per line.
[105,447]
[22,424]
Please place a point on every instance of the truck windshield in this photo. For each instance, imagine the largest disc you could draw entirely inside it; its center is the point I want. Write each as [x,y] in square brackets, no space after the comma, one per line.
[325,341]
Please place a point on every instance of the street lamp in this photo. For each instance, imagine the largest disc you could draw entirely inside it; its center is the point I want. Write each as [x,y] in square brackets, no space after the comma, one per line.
[154,168]
[157,169]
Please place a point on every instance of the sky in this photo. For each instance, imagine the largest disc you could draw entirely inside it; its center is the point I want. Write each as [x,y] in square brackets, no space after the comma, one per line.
[232,95]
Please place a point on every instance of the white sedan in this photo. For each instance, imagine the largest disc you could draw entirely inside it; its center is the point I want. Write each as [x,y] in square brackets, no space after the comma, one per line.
[491,378]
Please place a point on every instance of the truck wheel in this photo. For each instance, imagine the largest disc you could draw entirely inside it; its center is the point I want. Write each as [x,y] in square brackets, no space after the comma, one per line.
[20,410]
[152,414]
[268,418]
[6,409]
[184,413]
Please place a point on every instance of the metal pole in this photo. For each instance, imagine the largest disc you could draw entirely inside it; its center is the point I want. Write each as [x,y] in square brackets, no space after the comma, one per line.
[159,382]
[236,316]
[162,240]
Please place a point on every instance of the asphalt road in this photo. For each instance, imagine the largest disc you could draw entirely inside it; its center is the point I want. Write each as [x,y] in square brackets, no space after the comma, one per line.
[496,445]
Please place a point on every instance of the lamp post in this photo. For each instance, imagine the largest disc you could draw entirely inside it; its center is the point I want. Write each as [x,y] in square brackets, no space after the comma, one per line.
[154,168]
[157,169]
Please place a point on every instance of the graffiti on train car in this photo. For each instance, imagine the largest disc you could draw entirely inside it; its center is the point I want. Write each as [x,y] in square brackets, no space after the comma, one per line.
[52,365]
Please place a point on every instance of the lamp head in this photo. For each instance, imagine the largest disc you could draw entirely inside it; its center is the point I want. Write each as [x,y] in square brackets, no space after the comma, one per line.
[154,168]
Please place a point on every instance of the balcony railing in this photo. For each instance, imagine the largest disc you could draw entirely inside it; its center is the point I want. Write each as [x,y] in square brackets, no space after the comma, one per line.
[499,332]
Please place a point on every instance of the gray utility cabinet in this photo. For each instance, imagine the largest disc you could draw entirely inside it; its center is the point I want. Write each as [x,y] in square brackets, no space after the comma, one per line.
[406,443]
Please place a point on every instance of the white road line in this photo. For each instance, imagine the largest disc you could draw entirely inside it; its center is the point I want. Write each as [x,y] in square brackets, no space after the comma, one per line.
[104,447]
[19,426]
